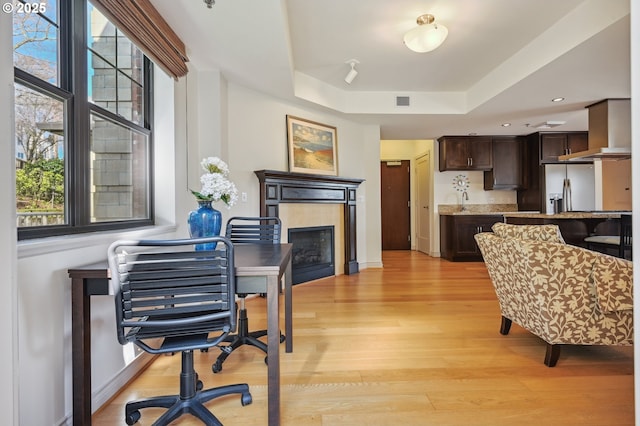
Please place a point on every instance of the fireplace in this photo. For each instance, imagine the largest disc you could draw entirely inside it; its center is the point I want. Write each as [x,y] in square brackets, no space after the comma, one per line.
[313,253]
[277,187]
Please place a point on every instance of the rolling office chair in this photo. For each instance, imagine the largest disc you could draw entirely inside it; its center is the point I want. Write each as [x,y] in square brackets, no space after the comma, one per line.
[171,298]
[621,243]
[248,230]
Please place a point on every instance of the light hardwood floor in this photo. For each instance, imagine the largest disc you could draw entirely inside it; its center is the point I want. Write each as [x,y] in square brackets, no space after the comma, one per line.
[414,343]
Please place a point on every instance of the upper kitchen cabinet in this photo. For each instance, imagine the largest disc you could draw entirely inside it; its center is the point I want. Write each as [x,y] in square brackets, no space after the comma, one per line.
[553,145]
[465,153]
[508,163]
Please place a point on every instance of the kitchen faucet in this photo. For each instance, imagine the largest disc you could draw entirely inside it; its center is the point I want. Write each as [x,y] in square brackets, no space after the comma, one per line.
[464,197]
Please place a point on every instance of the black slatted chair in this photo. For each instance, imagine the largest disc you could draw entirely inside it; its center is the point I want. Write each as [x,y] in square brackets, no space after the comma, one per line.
[171,298]
[626,237]
[621,243]
[248,230]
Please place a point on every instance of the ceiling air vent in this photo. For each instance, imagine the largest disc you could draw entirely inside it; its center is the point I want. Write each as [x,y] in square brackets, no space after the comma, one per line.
[402,101]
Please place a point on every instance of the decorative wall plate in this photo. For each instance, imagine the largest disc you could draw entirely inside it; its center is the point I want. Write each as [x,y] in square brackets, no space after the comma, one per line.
[461,183]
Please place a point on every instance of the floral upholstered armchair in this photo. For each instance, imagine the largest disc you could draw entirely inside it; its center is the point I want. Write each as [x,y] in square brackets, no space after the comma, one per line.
[564,294]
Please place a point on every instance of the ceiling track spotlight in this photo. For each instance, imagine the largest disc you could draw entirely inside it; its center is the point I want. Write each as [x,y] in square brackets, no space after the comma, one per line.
[209,3]
[352,72]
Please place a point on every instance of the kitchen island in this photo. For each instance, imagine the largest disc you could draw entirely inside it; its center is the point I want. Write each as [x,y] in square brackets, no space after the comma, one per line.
[458,226]
[574,226]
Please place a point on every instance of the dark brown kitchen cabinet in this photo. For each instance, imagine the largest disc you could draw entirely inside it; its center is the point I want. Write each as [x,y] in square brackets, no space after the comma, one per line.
[456,235]
[465,153]
[553,145]
[508,163]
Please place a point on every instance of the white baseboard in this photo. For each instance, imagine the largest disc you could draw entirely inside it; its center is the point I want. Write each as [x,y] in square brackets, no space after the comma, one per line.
[105,393]
[367,265]
[101,396]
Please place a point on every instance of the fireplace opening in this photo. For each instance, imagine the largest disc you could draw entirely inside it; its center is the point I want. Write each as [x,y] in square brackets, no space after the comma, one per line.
[313,253]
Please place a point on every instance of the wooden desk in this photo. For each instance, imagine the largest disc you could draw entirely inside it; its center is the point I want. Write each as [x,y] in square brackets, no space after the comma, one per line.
[259,269]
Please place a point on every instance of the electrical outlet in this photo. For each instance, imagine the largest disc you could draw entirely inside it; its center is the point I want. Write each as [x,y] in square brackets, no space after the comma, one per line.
[243,197]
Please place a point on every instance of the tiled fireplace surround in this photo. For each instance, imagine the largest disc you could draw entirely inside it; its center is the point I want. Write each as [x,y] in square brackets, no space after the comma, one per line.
[301,200]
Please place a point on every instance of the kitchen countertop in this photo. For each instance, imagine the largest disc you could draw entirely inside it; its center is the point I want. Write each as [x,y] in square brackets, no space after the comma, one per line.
[568,215]
[477,209]
[511,210]
[487,213]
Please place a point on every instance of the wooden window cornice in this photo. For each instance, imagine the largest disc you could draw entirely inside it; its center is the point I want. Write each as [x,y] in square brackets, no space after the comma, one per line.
[146,28]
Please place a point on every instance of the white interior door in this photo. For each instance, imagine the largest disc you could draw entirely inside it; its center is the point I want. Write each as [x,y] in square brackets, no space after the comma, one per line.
[423,214]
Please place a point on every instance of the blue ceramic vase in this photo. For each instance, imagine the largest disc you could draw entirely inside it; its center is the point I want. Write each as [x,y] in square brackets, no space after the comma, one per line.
[205,222]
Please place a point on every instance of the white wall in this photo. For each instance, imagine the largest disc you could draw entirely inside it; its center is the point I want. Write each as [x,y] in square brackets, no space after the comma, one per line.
[257,139]
[8,304]
[446,194]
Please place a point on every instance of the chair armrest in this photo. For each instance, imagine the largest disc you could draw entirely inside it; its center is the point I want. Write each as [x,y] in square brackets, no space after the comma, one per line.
[613,280]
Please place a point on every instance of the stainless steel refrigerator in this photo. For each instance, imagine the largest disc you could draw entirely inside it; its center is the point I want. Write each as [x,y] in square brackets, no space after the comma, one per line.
[582,180]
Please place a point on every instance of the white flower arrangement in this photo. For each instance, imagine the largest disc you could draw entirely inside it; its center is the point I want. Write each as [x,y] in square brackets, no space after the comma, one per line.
[216,185]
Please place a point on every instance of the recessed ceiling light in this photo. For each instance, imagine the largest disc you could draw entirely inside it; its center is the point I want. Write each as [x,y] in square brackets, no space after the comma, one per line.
[506,124]
[560,99]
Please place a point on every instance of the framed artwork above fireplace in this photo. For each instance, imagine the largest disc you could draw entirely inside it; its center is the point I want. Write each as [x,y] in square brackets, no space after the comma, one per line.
[312,147]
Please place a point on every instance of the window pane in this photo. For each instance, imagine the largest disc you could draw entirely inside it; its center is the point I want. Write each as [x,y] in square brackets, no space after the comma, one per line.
[40,142]
[107,156]
[35,45]
[51,9]
[130,59]
[102,36]
[102,83]
[115,69]
[130,98]
[120,170]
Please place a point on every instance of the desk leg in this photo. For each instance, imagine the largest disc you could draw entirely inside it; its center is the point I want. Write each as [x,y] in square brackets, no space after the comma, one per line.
[273,349]
[81,352]
[288,309]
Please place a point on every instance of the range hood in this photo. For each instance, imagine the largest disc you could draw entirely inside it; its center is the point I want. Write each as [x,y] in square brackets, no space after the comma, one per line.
[609,132]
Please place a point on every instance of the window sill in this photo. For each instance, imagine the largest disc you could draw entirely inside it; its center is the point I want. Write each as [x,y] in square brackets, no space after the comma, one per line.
[38,247]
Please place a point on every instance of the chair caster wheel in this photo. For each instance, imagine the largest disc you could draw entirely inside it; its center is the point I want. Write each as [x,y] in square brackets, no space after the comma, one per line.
[282,338]
[199,385]
[266,360]
[246,399]
[216,367]
[132,418]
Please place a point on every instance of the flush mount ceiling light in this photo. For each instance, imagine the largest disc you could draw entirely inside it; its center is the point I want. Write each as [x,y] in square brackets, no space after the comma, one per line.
[559,99]
[353,72]
[427,36]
